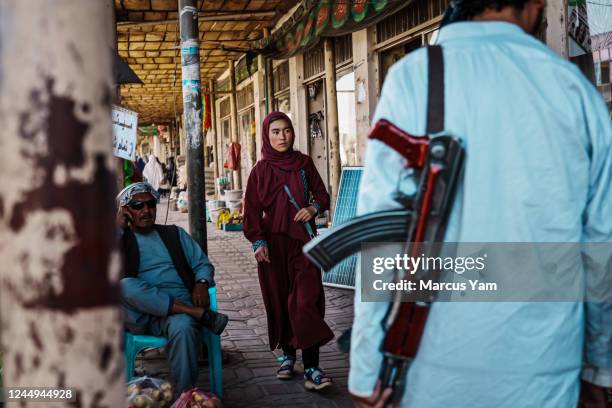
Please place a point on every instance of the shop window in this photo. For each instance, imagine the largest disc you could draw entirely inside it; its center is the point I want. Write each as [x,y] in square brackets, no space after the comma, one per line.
[343,47]
[247,125]
[391,56]
[224,108]
[225,137]
[282,103]
[416,13]
[243,71]
[347,121]
[244,97]
[314,61]
[281,77]
[223,86]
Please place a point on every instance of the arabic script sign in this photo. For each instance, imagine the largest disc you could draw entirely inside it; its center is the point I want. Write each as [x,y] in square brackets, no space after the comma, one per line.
[125,125]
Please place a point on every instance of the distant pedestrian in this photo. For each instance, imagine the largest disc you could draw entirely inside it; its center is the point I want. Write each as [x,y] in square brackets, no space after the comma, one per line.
[140,164]
[153,172]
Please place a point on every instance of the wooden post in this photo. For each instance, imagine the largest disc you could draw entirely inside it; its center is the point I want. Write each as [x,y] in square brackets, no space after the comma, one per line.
[213,126]
[234,123]
[333,132]
[59,280]
[556,26]
[205,150]
[269,79]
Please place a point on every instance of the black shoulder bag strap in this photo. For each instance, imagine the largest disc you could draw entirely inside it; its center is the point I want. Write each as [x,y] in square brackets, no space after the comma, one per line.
[435,88]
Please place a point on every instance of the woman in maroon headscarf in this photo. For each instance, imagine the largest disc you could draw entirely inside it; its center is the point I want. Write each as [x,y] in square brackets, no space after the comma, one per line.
[291,286]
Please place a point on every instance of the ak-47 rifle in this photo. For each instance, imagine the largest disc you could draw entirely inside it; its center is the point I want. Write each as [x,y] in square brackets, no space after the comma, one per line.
[437,162]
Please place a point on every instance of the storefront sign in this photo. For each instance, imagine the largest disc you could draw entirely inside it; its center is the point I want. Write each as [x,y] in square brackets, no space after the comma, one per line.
[125,126]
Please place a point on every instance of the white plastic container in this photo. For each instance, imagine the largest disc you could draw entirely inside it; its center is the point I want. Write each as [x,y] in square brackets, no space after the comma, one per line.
[233,195]
[234,205]
[214,204]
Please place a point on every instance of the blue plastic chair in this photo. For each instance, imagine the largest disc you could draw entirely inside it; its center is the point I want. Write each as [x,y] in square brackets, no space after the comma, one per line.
[136,343]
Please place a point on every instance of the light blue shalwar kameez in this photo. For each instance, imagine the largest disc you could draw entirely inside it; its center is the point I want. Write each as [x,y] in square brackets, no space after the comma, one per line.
[147,301]
[538,141]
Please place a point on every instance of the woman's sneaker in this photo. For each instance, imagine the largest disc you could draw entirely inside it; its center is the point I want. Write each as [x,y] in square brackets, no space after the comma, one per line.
[285,371]
[315,379]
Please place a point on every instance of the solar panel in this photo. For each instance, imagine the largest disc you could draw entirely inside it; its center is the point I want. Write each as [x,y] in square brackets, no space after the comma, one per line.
[343,274]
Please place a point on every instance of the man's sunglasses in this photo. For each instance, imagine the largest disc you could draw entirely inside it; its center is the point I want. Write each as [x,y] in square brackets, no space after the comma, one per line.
[139,205]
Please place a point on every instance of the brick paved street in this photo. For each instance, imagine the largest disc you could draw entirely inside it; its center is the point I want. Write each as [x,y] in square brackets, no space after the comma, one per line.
[249,369]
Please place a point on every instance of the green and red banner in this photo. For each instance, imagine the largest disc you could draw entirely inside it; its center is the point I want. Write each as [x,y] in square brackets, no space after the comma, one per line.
[316,19]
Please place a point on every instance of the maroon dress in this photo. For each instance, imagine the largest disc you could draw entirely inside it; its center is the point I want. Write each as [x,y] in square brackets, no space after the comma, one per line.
[291,285]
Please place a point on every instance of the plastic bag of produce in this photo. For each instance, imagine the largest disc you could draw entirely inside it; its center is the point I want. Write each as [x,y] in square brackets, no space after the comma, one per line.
[197,398]
[149,392]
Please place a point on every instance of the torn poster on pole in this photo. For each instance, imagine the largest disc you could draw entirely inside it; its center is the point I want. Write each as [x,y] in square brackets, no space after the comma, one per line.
[125,126]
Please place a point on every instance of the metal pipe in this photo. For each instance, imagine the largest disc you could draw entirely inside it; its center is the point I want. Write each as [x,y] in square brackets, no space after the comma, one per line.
[192,125]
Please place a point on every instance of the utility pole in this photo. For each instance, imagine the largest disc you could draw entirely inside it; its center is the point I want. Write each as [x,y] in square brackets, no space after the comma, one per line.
[332,120]
[59,280]
[192,126]
[234,124]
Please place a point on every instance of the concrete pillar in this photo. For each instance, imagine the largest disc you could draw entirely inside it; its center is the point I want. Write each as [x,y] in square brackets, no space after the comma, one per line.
[333,132]
[234,124]
[258,95]
[250,146]
[269,67]
[366,86]
[219,136]
[556,26]
[298,100]
[157,146]
[213,130]
[59,281]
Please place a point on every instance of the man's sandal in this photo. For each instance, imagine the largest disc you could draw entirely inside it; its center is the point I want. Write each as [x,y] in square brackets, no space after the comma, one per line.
[285,371]
[315,379]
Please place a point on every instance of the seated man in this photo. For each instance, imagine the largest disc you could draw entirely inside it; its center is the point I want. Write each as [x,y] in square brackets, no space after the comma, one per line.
[165,287]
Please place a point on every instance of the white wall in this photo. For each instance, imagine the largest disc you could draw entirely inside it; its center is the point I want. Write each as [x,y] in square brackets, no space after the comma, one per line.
[365,63]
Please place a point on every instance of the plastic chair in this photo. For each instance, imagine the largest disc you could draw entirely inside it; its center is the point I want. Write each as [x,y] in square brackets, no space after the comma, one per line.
[136,343]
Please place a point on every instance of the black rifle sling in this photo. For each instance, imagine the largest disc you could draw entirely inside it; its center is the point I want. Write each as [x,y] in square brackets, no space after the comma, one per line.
[435,89]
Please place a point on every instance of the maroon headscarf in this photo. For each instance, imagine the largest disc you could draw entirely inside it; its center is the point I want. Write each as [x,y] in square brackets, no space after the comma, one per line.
[275,163]
[266,187]
[291,160]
